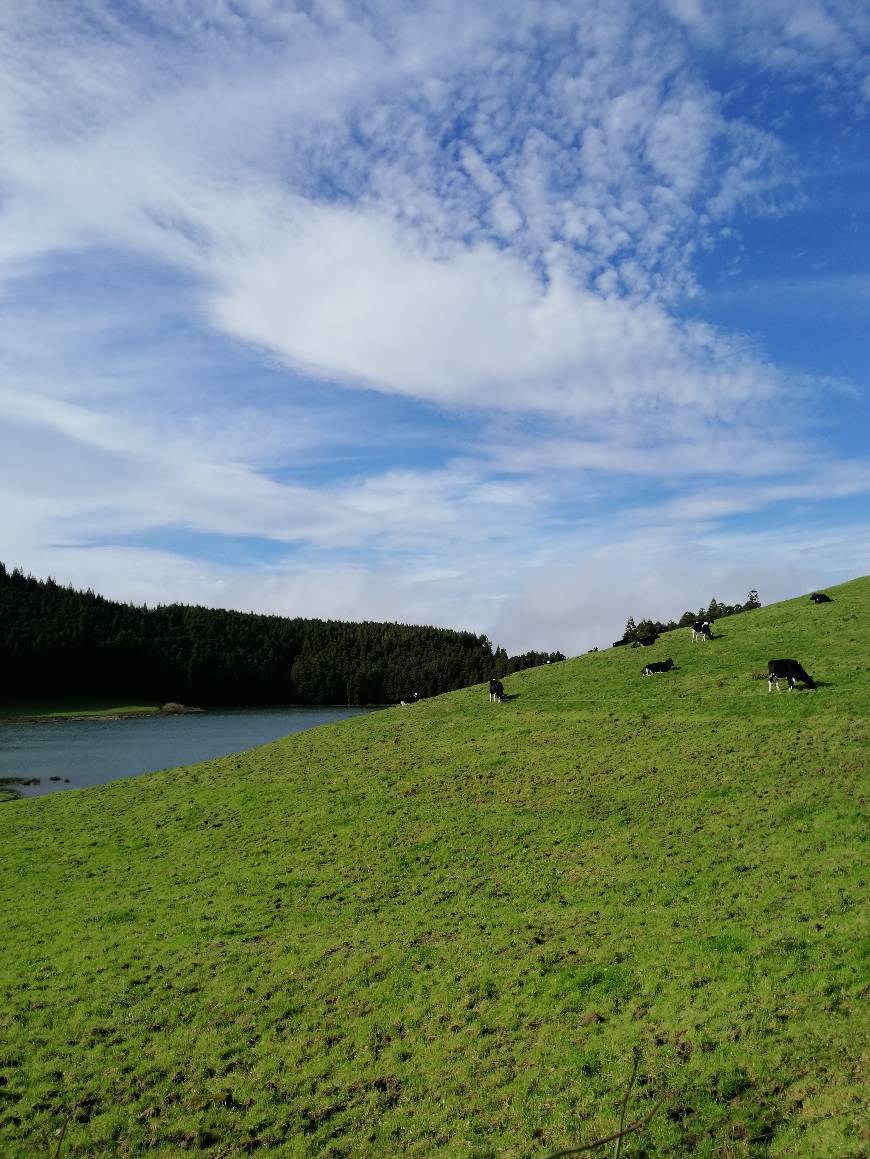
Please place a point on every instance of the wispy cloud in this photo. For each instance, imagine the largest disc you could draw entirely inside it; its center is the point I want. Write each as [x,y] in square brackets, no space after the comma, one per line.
[822,42]
[401,293]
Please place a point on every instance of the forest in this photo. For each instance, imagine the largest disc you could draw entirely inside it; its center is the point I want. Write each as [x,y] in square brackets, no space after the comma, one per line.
[56,641]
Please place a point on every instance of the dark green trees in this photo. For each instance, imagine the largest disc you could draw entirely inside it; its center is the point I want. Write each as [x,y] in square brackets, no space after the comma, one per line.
[55,641]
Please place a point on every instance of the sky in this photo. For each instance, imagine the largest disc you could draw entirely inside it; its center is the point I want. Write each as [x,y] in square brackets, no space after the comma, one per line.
[516,317]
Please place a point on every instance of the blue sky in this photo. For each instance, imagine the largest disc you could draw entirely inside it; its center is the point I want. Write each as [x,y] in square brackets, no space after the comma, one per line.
[515,317]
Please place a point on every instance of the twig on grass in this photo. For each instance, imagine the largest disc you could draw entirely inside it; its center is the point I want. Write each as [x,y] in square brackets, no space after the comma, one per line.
[619,1135]
[618,1150]
[61,1135]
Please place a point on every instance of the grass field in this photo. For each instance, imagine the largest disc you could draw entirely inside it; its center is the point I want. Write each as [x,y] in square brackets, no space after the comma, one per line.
[448,928]
[13,710]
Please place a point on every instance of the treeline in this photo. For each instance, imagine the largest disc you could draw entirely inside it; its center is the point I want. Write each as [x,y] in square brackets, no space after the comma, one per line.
[59,642]
[643,629]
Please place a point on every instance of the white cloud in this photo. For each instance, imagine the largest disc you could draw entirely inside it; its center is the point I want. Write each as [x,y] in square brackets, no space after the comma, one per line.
[396,284]
[567,597]
[576,603]
[807,481]
[688,452]
[345,295]
[810,39]
[488,212]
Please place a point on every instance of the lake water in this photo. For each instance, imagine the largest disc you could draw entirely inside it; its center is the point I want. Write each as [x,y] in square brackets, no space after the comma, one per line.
[91,752]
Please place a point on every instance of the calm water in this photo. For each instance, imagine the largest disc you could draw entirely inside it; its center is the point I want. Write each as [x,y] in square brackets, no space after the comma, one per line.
[92,752]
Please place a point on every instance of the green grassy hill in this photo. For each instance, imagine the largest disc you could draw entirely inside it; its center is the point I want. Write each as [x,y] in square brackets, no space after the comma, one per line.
[448,928]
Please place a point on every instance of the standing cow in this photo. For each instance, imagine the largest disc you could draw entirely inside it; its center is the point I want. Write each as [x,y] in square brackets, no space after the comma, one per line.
[788,670]
[701,630]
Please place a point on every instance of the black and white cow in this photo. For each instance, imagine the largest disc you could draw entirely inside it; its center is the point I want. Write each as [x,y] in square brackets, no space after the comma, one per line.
[788,670]
[701,630]
[496,690]
[657,666]
[411,698]
[820,598]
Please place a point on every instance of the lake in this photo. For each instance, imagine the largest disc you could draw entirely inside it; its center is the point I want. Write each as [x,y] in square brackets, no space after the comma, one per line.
[81,753]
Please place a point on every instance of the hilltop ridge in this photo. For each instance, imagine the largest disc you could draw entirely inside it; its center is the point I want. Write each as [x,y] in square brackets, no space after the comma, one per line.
[450,926]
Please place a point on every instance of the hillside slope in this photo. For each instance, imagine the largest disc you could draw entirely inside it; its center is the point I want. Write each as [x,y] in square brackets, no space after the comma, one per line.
[449,927]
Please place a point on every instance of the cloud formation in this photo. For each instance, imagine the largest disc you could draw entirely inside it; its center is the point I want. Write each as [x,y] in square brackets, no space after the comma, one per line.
[417,299]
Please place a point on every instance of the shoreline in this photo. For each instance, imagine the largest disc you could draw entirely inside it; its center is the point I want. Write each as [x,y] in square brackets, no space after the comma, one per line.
[67,718]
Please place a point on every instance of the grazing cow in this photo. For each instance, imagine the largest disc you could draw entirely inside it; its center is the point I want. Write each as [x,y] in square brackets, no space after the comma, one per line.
[701,630]
[657,666]
[788,670]
[496,690]
[619,643]
[820,598]
[411,698]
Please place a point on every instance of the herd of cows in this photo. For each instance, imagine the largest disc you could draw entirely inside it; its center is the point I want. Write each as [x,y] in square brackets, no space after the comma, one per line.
[791,671]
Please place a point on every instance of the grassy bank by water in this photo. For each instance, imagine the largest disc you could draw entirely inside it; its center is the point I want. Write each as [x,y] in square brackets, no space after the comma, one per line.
[16,711]
[447,928]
